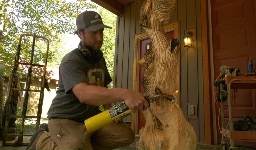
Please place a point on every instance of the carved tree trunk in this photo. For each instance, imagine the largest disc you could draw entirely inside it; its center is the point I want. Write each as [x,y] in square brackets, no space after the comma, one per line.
[166,126]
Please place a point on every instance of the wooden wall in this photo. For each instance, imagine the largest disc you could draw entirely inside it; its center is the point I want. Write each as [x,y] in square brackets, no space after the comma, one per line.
[127,27]
[187,15]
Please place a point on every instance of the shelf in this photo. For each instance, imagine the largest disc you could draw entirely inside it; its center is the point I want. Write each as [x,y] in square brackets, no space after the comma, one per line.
[241,82]
[18,89]
[239,135]
[237,82]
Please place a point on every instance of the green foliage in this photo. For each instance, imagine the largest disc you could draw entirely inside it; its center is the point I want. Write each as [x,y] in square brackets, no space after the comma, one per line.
[109,39]
[48,18]
[52,19]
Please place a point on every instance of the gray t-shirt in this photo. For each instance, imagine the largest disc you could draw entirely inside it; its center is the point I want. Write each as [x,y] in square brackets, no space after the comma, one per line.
[75,69]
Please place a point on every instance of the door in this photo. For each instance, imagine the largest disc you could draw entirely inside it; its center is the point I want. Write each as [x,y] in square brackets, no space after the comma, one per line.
[144,44]
[234,45]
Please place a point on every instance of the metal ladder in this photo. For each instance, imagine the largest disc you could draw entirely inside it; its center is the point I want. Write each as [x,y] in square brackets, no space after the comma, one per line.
[9,119]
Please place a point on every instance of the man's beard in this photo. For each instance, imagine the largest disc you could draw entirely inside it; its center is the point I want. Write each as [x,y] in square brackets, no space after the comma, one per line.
[94,47]
[94,55]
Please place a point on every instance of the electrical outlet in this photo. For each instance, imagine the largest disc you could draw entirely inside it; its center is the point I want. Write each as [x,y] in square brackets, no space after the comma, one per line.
[192,110]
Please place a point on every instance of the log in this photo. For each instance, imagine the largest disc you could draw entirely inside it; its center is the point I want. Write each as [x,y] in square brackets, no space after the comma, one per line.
[166,126]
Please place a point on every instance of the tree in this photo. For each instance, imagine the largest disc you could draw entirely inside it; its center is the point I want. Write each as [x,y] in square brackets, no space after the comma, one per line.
[49,18]
[52,19]
[109,39]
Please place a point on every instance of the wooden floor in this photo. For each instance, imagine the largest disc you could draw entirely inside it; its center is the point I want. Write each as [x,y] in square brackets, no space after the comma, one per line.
[200,146]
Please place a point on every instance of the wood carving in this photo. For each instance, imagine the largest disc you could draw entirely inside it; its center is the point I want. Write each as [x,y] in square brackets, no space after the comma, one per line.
[166,126]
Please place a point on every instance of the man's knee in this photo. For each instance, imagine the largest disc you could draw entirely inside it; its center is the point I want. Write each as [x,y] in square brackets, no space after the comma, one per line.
[113,136]
[128,136]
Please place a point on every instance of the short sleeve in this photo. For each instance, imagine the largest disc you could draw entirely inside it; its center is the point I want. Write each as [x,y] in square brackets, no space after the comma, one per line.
[108,78]
[72,73]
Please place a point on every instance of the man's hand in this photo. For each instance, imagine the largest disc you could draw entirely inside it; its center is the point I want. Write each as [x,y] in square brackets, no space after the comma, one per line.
[134,100]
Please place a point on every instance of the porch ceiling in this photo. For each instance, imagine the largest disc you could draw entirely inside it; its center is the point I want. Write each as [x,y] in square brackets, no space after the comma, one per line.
[115,6]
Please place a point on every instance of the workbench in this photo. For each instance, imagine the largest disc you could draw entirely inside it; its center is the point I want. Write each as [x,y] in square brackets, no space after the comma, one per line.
[236,82]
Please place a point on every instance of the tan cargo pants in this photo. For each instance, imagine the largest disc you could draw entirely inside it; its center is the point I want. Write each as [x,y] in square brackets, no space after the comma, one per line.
[65,134]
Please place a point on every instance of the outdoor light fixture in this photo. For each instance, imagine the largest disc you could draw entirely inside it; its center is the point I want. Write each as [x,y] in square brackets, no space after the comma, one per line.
[188,38]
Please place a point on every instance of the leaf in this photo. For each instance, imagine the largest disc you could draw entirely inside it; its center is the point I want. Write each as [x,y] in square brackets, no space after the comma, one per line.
[47,18]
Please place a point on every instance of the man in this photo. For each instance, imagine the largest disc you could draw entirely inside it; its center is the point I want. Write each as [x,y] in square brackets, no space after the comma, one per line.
[83,79]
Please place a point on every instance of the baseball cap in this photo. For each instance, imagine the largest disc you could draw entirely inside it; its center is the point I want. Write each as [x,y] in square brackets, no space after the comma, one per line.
[90,20]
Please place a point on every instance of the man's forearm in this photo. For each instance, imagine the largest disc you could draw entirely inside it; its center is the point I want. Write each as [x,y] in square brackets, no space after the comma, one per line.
[94,95]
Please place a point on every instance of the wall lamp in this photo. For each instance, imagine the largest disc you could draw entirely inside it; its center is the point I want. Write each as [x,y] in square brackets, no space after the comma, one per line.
[188,38]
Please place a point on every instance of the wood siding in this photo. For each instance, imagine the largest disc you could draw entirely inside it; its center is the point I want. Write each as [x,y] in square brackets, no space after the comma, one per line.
[127,27]
[233,45]
[188,16]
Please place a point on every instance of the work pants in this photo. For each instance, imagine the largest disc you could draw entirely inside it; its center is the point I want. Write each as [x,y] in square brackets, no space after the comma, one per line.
[65,134]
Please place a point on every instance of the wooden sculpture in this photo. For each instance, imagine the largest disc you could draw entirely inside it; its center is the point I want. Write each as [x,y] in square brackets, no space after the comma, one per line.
[166,126]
